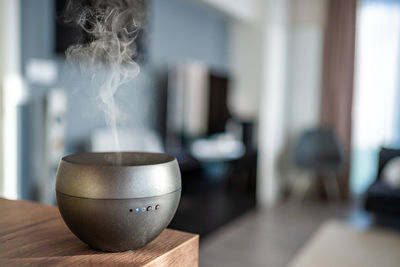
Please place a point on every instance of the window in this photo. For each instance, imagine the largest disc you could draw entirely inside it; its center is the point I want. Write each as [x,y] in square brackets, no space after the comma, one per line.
[376,93]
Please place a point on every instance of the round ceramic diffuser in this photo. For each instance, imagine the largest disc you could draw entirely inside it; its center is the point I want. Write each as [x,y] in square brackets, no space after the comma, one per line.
[118,201]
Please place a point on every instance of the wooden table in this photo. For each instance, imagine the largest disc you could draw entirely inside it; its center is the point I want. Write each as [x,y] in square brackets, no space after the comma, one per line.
[35,234]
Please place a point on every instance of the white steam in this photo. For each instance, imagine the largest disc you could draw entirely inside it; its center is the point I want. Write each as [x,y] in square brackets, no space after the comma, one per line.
[112,27]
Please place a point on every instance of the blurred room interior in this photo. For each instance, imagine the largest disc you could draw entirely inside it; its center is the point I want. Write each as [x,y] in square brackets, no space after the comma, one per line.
[283,115]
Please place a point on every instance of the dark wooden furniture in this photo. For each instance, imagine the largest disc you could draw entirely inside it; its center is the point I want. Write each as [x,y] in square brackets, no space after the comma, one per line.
[35,235]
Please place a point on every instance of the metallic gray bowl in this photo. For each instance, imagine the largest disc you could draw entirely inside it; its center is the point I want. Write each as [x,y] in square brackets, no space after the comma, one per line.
[118,207]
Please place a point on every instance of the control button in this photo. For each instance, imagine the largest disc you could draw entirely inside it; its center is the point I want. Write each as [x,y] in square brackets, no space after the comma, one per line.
[157,207]
[137,209]
[143,209]
[149,208]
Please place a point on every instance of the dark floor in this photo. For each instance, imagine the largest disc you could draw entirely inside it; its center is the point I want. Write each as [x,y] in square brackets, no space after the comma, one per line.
[272,237]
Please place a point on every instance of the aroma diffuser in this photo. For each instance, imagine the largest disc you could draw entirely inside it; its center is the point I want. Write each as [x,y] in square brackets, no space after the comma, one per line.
[118,201]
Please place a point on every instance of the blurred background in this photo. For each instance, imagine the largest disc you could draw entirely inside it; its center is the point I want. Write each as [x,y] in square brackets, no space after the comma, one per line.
[281,113]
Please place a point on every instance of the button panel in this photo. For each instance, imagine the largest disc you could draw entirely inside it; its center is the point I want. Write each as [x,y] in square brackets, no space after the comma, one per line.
[147,209]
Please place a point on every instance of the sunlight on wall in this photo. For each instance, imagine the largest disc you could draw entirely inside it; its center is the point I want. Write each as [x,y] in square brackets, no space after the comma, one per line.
[13,93]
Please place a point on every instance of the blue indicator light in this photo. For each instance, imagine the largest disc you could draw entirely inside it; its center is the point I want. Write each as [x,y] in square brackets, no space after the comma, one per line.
[137,209]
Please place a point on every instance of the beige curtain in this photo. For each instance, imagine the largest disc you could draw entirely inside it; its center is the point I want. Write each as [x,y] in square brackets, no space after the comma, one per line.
[338,69]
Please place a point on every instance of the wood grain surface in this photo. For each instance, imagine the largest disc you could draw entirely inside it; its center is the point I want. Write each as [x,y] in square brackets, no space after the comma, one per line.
[35,235]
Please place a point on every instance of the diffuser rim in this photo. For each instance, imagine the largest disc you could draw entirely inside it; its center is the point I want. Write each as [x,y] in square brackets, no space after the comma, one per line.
[79,159]
[179,190]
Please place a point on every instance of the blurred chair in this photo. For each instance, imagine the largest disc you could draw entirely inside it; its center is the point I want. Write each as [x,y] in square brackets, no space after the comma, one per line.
[380,197]
[318,152]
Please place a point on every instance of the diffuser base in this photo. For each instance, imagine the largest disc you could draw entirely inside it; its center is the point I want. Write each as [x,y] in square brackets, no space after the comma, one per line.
[118,224]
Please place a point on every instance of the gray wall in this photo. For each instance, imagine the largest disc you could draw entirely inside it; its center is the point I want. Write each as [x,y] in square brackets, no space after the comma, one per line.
[187,30]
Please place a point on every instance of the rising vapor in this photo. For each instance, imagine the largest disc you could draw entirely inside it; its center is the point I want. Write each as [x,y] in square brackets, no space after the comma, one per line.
[112,26]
